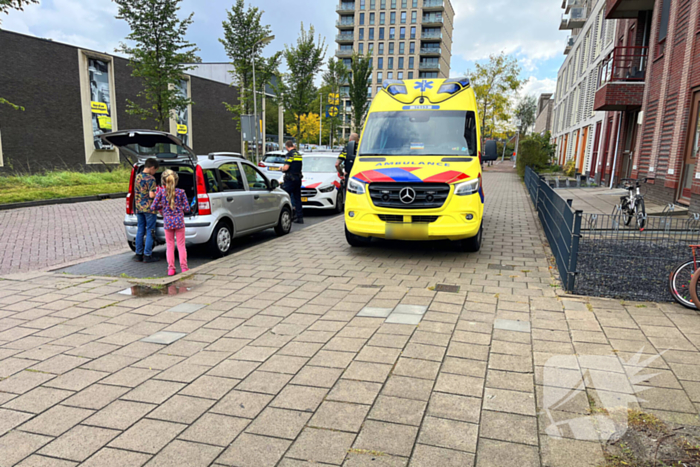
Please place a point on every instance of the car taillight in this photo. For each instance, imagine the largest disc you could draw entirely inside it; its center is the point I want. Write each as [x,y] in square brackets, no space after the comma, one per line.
[203,203]
[260,164]
[130,194]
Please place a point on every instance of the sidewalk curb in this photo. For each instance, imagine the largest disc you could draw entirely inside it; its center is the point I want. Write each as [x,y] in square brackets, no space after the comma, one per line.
[48,202]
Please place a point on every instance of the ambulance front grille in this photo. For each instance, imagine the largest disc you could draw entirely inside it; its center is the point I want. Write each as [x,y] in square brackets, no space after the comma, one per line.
[427,195]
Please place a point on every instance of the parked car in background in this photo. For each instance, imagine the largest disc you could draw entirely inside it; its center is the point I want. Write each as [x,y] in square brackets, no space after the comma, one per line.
[229,196]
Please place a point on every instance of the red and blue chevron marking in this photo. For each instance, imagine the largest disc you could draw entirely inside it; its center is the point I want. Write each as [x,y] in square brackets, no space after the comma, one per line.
[405,175]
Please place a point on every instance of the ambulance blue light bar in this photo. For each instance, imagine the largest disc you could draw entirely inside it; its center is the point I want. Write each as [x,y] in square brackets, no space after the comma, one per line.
[394,87]
[453,85]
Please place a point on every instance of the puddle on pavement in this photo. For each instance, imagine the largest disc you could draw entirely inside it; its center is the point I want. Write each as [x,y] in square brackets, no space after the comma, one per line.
[156,290]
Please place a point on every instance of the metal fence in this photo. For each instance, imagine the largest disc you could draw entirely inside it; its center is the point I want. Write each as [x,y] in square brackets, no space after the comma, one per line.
[598,255]
[561,224]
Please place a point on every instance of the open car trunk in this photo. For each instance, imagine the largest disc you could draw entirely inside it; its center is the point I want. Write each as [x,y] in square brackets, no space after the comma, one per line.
[187,181]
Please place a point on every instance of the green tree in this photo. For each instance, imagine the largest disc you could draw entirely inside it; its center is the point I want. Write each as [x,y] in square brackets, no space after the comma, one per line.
[536,151]
[526,111]
[335,76]
[495,82]
[5,7]
[159,57]
[359,81]
[243,29]
[296,89]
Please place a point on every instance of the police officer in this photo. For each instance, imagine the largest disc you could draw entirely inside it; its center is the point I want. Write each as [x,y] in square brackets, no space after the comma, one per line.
[345,161]
[292,179]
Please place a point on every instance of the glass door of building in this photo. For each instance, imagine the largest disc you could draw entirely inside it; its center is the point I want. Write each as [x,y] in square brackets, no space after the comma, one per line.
[691,153]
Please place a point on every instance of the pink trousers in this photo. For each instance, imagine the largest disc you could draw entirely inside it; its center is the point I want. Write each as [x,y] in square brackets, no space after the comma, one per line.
[170,236]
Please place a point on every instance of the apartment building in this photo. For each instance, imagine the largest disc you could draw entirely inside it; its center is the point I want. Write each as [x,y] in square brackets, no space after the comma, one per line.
[408,39]
[545,109]
[577,127]
[650,87]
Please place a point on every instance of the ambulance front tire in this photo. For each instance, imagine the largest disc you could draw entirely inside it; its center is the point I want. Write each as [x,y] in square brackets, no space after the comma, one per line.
[356,240]
[473,245]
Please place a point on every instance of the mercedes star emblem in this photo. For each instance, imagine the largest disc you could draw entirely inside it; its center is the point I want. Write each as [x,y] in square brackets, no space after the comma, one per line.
[407,195]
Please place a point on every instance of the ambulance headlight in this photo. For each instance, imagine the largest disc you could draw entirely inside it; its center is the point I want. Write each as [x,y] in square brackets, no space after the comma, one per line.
[468,188]
[356,187]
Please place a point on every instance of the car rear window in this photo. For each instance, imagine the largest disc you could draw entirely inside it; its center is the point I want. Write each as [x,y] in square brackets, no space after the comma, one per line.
[274,159]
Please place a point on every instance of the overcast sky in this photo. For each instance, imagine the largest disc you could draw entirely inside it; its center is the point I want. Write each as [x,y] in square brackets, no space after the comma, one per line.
[526,28]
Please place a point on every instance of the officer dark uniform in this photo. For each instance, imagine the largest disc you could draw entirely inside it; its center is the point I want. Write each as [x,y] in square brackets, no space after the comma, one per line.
[292,182]
[347,163]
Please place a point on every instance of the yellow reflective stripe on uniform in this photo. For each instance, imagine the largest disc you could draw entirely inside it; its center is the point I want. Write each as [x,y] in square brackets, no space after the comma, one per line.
[343,155]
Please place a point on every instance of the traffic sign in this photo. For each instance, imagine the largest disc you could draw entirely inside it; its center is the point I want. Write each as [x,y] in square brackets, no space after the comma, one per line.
[333,99]
[331,111]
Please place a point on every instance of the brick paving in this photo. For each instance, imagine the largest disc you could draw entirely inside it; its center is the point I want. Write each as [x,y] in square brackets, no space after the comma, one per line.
[274,366]
[44,236]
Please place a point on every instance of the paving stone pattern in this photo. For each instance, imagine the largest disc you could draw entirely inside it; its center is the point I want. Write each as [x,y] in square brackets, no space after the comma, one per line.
[44,236]
[277,369]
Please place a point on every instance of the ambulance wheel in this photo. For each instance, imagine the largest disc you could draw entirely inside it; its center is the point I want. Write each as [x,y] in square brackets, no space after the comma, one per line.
[472,245]
[356,240]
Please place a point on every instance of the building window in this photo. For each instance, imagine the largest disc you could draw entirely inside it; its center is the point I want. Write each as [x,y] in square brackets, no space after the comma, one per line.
[382,18]
[390,65]
[392,17]
[400,74]
[403,17]
[402,33]
[361,47]
[391,48]
[392,33]
[362,18]
[362,33]
[381,48]
[428,74]
[411,63]
[390,75]
[663,24]
[413,32]
[382,4]
[402,48]
[370,47]
[410,75]
[369,91]
[347,62]
[371,18]
[371,4]
[414,17]
[99,114]
[381,33]
[379,76]
[181,125]
[403,3]
[362,4]
[401,63]
[412,48]
[371,33]
[415,3]
[379,89]
[380,63]
[393,4]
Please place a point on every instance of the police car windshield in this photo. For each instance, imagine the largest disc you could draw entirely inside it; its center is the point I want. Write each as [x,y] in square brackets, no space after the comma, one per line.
[319,164]
[420,133]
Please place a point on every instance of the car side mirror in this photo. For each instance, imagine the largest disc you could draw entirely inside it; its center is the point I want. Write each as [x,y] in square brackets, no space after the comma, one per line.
[274,184]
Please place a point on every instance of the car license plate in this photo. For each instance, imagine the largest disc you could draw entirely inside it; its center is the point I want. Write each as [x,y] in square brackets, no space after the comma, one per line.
[273,168]
[304,200]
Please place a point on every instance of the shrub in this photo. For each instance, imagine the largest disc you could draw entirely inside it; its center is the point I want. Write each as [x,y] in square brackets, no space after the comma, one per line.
[570,168]
[536,151]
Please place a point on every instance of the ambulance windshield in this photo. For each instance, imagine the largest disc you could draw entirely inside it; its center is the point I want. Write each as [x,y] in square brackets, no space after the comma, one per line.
[420,133]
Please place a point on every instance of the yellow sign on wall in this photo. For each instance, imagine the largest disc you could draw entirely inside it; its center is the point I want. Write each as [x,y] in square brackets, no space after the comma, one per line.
[182,129]
[99,108]
[104,122]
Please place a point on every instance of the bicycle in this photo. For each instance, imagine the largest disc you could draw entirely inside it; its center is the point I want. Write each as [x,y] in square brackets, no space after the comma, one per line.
[680,281]
[632,205]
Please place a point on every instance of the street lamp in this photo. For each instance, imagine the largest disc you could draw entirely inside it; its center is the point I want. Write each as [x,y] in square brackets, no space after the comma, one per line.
[263,41]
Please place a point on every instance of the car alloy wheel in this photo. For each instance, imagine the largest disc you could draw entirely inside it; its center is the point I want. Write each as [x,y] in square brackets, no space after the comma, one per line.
[223,240]
[286,220]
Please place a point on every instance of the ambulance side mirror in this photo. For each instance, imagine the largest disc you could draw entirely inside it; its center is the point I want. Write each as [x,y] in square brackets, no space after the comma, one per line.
[351,149]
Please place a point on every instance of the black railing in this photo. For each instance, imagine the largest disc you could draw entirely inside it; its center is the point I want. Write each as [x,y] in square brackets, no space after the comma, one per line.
[599,255]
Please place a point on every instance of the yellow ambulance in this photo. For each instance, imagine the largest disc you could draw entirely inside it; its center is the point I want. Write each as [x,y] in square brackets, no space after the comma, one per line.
[417,171]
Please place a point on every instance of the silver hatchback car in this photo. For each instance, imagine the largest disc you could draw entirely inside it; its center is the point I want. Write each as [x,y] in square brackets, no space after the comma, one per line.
[229,196]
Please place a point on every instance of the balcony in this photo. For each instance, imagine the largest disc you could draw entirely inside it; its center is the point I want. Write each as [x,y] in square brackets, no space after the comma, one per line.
[431,36]
[620,9]
[575,19]
[571,4]
[432,20]
[345,23]
[344,53]
[570,41]
[429,66]
[621,79]
[344,38]
[434,51]
[345,7]
[433,5]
